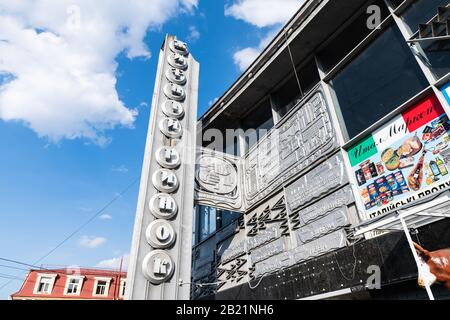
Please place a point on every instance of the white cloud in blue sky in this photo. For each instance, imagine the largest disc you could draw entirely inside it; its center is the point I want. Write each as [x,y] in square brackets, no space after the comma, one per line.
[193,35]
[61,57]
[91,242]
[105,216]
[114,263]
[271,14]
[120,169]
[263,13]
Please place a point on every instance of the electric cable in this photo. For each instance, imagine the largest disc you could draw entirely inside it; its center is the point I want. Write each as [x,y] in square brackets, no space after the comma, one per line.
[128,187]
[22,263]
[293,63]
[354,265]
[12,267]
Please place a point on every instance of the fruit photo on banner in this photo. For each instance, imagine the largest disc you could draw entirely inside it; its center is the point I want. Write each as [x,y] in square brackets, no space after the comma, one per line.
[405,159]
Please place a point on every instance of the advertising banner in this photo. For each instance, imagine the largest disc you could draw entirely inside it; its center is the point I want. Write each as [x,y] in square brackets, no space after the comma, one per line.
[446,91]
[405,160]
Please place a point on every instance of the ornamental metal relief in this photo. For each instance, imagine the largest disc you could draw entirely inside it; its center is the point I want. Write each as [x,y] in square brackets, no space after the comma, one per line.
[217,180]
[316,229]
[317,183]
[296,143]
[341,198]
[330,242]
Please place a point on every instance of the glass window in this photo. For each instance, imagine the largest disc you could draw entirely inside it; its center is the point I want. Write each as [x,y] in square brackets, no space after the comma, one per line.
[436,54]
[348,38]
[44,285]
[122,288]
[100,290]
[211,220]
[74,286]
[396,3]
[286,96]
[226,217]
[380,79]
[422,11]
[309,76]
[207,222]
[257,123]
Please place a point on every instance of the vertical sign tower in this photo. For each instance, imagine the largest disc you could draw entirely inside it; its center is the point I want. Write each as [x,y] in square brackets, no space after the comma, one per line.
[160,258]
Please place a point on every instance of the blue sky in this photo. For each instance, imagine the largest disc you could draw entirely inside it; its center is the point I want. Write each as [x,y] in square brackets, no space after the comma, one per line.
[74,110]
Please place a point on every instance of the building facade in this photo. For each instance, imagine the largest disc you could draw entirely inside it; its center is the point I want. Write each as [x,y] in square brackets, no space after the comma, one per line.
[318,164]
[72,284]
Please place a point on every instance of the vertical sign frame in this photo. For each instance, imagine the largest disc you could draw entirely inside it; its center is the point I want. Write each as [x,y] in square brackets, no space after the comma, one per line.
[160,257]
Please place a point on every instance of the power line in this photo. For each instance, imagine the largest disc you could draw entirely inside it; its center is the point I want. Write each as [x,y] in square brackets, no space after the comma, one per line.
[82,226]
[21,263]
[12,267]
[9,276]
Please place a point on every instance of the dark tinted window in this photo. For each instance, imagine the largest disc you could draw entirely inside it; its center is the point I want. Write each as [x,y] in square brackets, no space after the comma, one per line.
[309,76]
[206,222]
[258,122]
[396,3]
[376,82]
[422,11]
[437,53]
[286,96]
[227,217]
[211,219]
[348,38]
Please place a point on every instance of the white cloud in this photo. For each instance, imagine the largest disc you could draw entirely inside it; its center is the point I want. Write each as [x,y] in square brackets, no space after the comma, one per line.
[119,169]
[85,209]
[211,102]
[263,13]
[105,216]
[143,104]
[194,34]
[58,59]
[91,242]
[244,57]
[114,263]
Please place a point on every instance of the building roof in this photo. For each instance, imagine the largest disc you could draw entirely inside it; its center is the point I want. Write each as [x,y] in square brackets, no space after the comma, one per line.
[89,275]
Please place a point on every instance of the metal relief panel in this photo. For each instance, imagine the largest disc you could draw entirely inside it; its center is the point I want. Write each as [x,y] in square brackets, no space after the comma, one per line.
[322,179]
[340,198]
[263,237]
[293,145]
[268,159]
[271,249]
[331,222]
[274,263]
[267,222]
[232,261]
[218,180]
[233,251]
[330,242]
[160,257]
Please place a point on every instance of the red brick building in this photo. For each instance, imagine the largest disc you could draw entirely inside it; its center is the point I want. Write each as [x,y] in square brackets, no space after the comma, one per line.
[72,283]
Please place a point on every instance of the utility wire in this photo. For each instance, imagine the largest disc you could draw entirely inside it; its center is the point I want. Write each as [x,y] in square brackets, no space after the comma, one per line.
[293,63]
[21,263]
[12,267]
[9,276]
[81,227]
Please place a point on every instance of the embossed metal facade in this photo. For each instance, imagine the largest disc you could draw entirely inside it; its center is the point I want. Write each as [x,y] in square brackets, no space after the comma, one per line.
[296,198]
